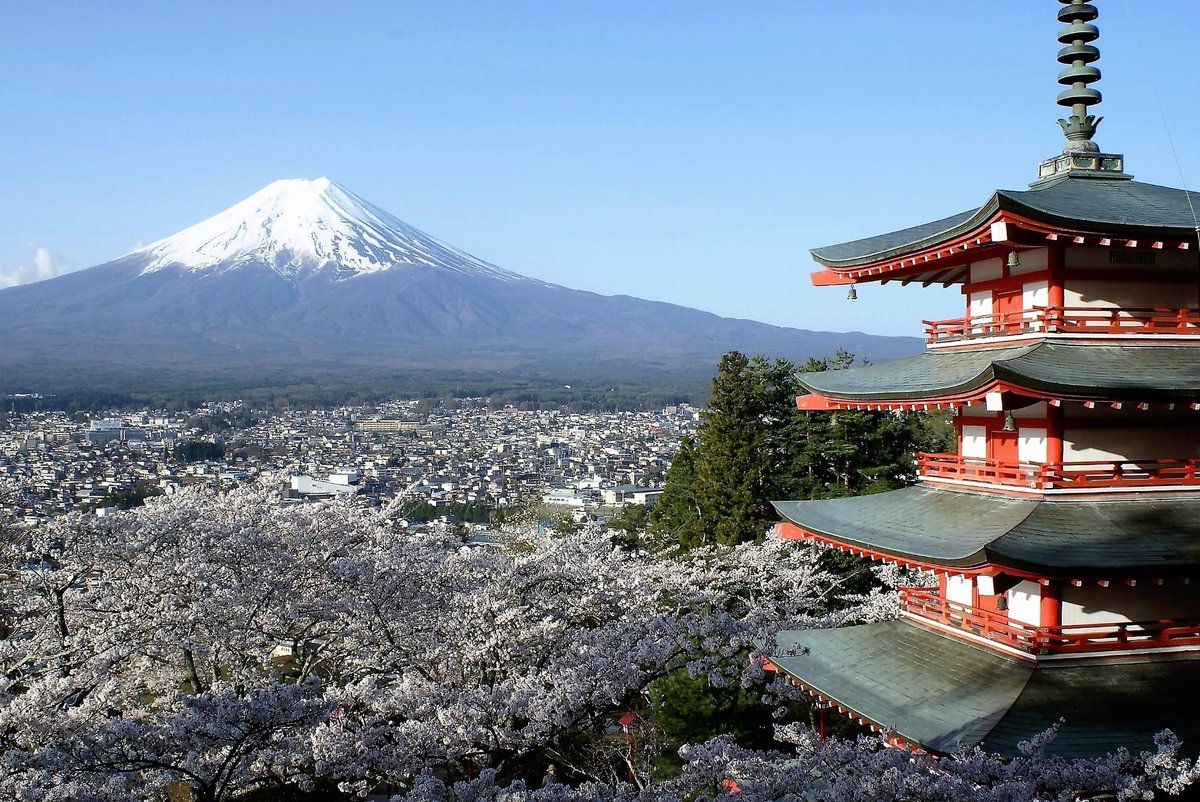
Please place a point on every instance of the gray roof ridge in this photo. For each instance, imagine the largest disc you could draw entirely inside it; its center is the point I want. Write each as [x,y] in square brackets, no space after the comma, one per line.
[991,551]
[996,720]
[1079,180]
[982,743]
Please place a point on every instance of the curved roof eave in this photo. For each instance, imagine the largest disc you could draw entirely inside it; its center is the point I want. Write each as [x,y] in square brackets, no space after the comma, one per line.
[1077,204]
[1148,372]
[1104,538]
[944,693]
[906,240]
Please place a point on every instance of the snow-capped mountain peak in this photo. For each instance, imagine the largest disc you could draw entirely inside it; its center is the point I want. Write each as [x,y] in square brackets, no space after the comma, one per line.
[300,224]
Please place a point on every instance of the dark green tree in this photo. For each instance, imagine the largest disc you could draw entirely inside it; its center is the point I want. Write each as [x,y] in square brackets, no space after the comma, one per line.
[131,497]
[198,451]
[739,455]
[690,710]
[853,452]
[753,446]
[630,521]
[677,514]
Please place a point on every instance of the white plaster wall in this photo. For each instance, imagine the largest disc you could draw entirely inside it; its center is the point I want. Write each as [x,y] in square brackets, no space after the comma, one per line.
[1035,293]
[958,590]
[1031,444]
[974,442]
[1031,262]
[987,270]
[1119,602]
[1038,410]
[1025,603]
[979,304]
[1082,445]
[1110,294]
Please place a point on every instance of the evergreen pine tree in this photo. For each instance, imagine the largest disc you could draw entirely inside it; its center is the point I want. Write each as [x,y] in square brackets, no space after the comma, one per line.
[676,516]
[738,455]
[753,446]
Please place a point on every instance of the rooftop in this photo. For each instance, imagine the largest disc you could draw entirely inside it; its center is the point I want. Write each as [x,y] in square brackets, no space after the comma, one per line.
[1163,373]
[943,693]
[1115,538]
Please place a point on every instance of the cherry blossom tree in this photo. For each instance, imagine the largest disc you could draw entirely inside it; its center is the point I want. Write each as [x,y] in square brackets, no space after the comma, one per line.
[242,645]
[413,652]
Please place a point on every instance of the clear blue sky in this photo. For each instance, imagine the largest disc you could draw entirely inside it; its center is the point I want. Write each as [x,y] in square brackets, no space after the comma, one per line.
[688,151]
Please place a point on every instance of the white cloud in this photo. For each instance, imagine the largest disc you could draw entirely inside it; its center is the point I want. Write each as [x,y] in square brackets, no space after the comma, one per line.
[46,264]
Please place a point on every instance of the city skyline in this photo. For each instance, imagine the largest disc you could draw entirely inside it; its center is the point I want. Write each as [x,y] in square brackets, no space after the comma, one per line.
[689,153]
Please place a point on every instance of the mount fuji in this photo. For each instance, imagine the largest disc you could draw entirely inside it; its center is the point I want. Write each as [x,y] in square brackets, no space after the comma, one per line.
[304,281]
[309,225]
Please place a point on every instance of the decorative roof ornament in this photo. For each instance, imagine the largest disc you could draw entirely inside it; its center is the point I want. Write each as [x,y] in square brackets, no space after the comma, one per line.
[1078,55]
[1081,157]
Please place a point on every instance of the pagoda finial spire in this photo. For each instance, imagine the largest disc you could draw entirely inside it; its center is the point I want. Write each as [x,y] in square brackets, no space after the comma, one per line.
[1081,158]
[1076,34]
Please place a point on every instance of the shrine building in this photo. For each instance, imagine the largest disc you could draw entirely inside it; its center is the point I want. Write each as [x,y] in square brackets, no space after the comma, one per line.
[1064,531]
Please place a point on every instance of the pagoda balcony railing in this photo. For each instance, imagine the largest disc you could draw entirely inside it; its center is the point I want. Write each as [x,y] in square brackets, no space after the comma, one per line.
[1084,475]
[928,604]
[1068,320]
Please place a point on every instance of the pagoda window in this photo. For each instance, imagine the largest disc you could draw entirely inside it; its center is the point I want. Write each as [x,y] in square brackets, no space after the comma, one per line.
[1004,299]
[1127,264]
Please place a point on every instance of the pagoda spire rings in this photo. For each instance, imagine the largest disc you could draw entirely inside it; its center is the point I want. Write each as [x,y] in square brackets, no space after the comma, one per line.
[1078,54]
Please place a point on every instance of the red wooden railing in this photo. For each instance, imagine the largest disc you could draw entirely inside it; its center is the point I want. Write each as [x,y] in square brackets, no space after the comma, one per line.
[1073,638]
[1070,319]
[928,604]
[1065,475]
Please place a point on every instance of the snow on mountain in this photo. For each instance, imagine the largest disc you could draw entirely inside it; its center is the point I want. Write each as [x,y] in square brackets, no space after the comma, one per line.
[305,284]
[299,224]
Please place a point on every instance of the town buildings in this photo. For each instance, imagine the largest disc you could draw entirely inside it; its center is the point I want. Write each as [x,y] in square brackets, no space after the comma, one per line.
[459,453]
[1064,533]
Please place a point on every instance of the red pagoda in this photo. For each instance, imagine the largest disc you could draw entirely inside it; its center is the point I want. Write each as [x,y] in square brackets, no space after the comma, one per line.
[1064,532]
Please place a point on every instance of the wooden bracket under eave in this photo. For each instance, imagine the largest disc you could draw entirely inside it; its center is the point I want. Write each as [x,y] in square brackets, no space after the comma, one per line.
[813,403]
[828,278]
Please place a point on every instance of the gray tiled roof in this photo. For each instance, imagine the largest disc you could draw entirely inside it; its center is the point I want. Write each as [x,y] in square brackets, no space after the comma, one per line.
[1144,536]
[1101,205]
[883,245]
[1112,205]
[943,692]
[1104,372]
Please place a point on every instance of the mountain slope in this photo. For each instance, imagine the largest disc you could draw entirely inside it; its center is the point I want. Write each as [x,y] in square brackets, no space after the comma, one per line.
[296,224]
[304,279]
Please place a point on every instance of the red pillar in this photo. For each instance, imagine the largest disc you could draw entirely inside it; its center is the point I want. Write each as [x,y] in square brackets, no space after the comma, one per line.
[1054,435]
[1055,294]
[1051,606]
